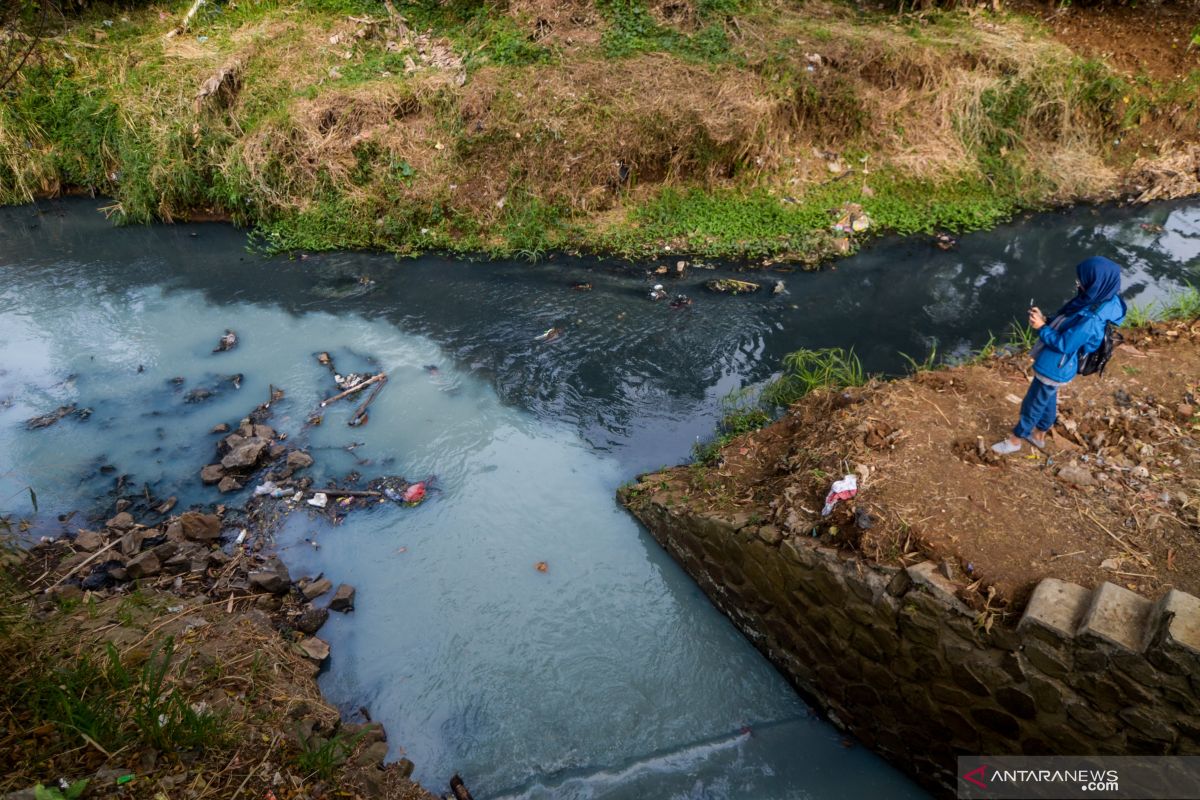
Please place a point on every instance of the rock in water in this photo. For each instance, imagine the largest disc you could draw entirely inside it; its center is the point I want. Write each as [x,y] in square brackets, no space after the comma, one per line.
[317,588]
[245,455]
[343,598]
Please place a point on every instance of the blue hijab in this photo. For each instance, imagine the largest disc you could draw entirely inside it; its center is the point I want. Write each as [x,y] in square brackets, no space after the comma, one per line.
[1100,281]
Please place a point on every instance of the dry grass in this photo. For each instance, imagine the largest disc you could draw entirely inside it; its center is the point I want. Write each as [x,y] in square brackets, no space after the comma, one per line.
[350,111]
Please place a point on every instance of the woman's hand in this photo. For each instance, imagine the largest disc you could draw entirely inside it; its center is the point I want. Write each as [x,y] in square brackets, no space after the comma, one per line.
[1036,319]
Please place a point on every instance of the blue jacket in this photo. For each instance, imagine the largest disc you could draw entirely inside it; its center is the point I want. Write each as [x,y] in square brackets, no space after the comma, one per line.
[1080,333]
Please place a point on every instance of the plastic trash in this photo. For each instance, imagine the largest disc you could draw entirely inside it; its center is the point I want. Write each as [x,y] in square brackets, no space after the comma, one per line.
[844,489]
[658,293]
[393,495]
[318,500]
[415,493]
[266,487]
[549,336]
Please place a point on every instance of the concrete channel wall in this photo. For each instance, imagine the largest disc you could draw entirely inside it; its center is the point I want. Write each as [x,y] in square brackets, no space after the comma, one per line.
[895,657]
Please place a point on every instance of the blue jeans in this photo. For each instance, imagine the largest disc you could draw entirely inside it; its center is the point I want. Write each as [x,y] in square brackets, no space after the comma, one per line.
[1039,409]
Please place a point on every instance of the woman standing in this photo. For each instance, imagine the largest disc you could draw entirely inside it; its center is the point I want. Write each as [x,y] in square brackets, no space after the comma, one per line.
[1076,329]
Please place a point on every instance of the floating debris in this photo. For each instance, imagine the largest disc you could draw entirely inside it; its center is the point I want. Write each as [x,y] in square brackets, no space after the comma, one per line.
[227,342]
[658,293]
[46,420]
[731,286]
[549,336]
[681,301]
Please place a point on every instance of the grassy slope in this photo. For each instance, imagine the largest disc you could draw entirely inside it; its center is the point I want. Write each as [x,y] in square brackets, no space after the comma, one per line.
[718,127]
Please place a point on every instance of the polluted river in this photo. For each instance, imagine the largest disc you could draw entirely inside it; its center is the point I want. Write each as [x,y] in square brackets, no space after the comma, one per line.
[518,626]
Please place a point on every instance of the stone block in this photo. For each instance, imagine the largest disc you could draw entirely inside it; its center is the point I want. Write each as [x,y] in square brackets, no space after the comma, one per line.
[1119,617]
[927,576]
[1057,607]
[1180,614]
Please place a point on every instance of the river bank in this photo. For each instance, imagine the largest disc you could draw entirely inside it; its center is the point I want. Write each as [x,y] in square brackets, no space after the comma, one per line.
[958,602]
[773,132]
[176,653]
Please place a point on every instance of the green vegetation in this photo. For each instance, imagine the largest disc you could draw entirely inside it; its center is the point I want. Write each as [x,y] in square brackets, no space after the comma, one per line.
[805,371]
[741,413]
[320,758]
[111,704]
[1184,305]
[717,127]
[633,29]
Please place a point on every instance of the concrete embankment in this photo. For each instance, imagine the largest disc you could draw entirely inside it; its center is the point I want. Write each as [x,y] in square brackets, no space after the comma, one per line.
[895,657]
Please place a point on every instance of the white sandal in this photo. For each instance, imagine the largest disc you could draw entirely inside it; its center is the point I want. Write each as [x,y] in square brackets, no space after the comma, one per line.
[1004,447]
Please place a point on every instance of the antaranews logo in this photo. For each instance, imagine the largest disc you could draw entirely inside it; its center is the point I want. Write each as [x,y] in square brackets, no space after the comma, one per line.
[977,776]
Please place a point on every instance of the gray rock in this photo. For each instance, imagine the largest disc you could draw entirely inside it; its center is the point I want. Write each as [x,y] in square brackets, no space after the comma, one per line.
[121,522]
[200,527]
[311,619]
[144,565]
[264,432]
[23,794]
[273,578]
[89,541]
[315,589]
[343,598]
[213,473]
[228,484]
[220,427]
[246,455]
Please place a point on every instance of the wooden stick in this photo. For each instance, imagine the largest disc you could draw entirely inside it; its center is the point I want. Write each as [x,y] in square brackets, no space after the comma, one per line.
[346,493]
[360,413]
[373,379]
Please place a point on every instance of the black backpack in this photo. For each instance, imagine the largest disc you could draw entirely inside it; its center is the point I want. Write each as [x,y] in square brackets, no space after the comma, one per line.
[1094,363]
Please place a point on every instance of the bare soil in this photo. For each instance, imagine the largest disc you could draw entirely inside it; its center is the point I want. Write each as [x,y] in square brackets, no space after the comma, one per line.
[1116,496]
[1150,38]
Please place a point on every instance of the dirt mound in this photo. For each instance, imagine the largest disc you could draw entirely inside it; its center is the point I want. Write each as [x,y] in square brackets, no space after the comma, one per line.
[1115,497]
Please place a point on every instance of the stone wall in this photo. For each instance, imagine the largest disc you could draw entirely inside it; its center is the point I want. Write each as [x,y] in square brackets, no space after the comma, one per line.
[895,657]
